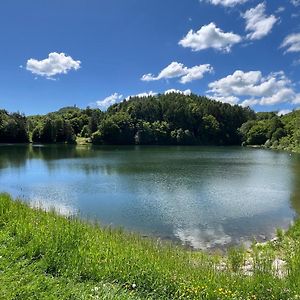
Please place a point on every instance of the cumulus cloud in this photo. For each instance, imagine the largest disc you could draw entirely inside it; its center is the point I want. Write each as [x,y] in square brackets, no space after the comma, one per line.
[210,36]
[284,112]
[228,3]
[284,94]
[151,93]
[296,62]
[178,70]
[174,70]
[142,95]
[108,101]
[56,63]
[226,99]
[117,98]
[186,92]
[272,89]
[295,2]
[295,15]
[292,43]
[249,102]
[296,100]
[280,9]
[258,23]
[248,83]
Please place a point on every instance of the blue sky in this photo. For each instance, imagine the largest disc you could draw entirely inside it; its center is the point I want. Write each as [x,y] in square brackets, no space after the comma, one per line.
[59,53]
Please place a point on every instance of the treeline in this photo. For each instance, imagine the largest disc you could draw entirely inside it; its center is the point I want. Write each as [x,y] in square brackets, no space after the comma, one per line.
[13,128]
[64,125]
[162,120]
[272,131]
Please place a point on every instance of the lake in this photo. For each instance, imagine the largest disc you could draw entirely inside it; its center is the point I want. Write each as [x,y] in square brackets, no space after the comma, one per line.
[202,197]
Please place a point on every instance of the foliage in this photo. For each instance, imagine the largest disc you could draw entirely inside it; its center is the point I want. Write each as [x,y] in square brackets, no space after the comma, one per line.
[164,119]
[53,130]
[13,128]
[64,125]
[115,129]
[177,119]
[272,131]
[172,119]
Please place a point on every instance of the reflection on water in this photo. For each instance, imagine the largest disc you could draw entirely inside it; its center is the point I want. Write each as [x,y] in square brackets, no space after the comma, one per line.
[204,197]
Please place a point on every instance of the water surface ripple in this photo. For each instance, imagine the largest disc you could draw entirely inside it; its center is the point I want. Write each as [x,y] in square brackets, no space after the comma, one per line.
[203,197]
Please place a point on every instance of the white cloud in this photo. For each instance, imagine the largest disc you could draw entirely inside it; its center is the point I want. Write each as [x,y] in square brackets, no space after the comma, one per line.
[196,72]
[210,36]
[178,70]
[292,43]
[295,2]
[173,70]
[186,92]
[228,3]
[227,99]
[248,83]
[117,98]
[56,63]
[280,9]
[151,93]
[272,89]
[258,23]
[142,95]
[283,95]
[284,112]
[108,101]
[296,100]
[295,15]
[249,102]
[146,94]
[296,62]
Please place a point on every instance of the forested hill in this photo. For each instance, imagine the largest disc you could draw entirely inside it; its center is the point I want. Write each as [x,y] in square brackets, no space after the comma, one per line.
[163,119]
[172,119]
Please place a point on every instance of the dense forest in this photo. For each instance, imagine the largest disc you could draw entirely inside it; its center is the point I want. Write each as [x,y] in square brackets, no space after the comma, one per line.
[161,120]
[13,128]
[172,119]
[271,131]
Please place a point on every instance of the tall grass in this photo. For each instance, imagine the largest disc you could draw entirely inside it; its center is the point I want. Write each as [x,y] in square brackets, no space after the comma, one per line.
[65,258]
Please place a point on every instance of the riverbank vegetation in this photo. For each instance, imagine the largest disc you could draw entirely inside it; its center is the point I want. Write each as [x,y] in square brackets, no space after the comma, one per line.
[47,256]
[13,128]
[155,120]
[272,131]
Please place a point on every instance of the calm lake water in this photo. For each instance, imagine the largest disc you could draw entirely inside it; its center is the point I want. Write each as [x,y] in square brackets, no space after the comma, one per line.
[204,197]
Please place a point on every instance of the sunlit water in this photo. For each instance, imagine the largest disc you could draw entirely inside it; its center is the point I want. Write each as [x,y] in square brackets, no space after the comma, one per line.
[203,197]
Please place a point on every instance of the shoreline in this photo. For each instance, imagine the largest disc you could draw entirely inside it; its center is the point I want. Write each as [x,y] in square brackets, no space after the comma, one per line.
[67,253]
[291,151]
[88,143]
[259,239]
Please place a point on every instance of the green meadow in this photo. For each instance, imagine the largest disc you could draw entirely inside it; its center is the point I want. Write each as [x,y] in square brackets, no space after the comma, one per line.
[47,256]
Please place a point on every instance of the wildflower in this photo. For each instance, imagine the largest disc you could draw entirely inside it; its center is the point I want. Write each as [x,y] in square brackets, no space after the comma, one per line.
[95,289]
[133,285]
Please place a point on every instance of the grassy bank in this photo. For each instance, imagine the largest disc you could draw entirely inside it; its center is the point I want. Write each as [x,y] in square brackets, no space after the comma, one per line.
[47,256]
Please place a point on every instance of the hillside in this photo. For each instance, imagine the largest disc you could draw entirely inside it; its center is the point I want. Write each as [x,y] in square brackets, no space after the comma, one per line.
[172,119]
